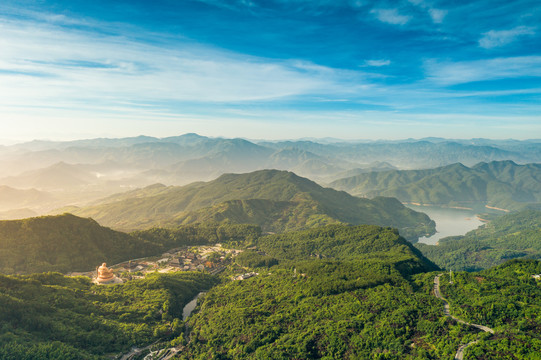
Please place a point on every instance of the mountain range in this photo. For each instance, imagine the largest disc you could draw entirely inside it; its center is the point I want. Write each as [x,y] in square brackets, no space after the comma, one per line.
[77,172]
[500,184]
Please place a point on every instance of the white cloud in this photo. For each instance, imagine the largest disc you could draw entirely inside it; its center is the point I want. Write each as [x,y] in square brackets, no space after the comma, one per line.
[377,63]
[43,64]
[437,15]
[495,38]
[482,70]
[391,16]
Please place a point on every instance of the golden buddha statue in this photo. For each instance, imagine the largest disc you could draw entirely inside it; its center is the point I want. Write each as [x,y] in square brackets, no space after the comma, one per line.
[104,274]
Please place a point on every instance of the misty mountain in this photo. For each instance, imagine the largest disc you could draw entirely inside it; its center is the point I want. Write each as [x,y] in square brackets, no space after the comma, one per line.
[185,151]
[11,198]
[86,170]
[416,154]
[502,184]
[276,200]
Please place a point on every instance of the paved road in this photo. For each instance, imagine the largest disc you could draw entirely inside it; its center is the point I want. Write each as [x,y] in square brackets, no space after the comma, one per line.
[460,353]
[446,310]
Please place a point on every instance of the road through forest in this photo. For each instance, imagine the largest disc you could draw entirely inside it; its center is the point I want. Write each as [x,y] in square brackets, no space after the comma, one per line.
[460,352]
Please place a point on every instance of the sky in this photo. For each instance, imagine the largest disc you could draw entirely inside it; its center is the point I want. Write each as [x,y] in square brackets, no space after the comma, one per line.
[273,69]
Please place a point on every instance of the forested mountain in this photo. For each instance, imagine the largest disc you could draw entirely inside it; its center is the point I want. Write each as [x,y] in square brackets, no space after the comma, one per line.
[276,200]
[64,243]
[337,292]
[506,298]
[501,184]
[515,235]
[68,243]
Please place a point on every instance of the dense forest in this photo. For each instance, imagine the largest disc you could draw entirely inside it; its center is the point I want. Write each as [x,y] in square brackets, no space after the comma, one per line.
[346,293]
[334,292]
[50,316]
[506,298]
[515,235]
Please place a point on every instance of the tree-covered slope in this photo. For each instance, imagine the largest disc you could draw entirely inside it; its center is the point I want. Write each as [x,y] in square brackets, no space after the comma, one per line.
[68,243]
[49,316]
[270,215]
[506,298]
[501,184]
[339,242]
[309,204]
[507,237]
[64,243]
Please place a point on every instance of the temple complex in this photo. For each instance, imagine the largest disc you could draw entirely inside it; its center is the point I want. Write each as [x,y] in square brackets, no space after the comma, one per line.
[104,275]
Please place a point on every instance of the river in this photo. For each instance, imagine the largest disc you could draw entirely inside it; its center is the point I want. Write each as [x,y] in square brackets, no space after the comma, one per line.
[189,307]
[449,222]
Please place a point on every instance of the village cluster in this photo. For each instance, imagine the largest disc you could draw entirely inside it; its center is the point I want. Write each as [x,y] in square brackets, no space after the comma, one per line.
[212,259]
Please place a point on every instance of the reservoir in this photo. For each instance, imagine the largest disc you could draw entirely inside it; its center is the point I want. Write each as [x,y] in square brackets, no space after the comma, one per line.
[449,222]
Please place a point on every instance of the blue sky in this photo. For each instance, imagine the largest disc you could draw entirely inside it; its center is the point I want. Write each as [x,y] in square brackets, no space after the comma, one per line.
[353,69]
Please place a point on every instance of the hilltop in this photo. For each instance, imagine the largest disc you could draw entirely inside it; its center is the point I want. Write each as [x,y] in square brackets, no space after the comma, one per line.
[275,200]
[64,243]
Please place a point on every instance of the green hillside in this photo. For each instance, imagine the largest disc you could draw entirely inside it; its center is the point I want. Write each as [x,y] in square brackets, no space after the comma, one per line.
[338,242]
[290,201]
[64,243]
[49,316]
[507,237]
[270,215]
[68,243]
[501,184]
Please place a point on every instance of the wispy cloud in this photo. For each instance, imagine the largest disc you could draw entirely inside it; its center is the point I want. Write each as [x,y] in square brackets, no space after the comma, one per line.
[377,63]
[451,73]
[498,38]
[437,15]
[78,66]
[391,16]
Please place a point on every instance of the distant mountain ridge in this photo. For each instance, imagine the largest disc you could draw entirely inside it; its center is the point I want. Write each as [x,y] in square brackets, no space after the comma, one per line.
[276,200]
[81,171]
[501,184]
[171,153]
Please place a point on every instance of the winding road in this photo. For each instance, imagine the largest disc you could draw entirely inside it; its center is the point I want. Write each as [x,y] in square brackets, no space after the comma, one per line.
[446,310]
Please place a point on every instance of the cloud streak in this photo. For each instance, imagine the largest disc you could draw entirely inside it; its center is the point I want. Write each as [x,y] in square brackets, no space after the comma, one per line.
[483,70]
[391,16]
[494,39]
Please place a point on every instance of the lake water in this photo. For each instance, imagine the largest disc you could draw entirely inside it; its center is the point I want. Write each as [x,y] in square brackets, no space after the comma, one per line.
[189,307]
[449,222]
